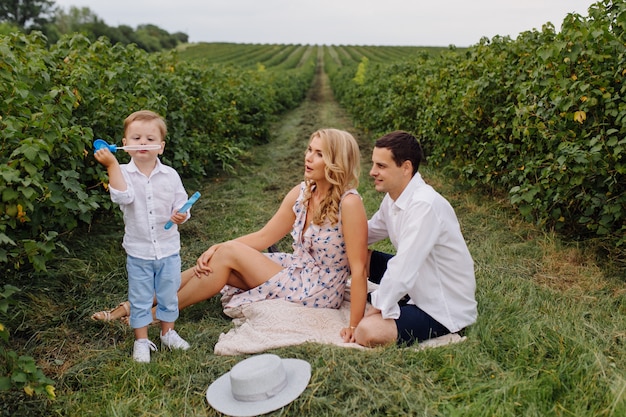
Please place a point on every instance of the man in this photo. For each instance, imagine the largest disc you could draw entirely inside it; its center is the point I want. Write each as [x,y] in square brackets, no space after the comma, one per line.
[432,265]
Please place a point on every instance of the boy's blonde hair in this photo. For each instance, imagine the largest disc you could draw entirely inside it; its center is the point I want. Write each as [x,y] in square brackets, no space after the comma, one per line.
[342,157]
[146,115]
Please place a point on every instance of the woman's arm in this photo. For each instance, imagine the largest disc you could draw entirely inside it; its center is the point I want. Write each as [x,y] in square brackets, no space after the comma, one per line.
[354,226]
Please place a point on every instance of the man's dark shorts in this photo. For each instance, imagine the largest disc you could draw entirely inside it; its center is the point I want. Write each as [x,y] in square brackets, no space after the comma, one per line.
[413,325]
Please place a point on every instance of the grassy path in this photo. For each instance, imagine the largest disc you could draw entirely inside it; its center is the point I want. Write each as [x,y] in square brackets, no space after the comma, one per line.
[550,339]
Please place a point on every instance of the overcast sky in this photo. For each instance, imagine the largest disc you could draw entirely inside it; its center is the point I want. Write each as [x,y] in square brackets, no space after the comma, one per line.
[337,22]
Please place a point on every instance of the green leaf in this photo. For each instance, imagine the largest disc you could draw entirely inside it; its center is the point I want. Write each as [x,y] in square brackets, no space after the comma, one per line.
[9,174]
[5,383]
[9,194]
[19,377]
[4,239]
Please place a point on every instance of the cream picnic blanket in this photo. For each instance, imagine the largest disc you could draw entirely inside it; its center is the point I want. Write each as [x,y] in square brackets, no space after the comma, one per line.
[271,324]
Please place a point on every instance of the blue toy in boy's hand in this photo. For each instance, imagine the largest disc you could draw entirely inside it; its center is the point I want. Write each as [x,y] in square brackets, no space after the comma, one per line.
[185,208]
[100,143]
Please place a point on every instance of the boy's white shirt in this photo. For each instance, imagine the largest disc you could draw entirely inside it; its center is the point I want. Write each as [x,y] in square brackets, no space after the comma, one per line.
[147,204]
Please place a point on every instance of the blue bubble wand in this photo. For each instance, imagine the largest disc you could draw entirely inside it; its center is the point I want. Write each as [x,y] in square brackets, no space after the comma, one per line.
[185,208]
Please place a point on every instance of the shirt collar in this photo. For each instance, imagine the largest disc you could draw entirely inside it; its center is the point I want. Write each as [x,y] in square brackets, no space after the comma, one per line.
[405,196]
[132,167]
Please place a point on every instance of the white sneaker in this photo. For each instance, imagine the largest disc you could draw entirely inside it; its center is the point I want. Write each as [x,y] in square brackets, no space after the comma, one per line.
[141,350]
[173,341]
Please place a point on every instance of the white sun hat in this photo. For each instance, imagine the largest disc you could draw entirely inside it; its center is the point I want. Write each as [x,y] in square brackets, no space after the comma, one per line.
[258,385]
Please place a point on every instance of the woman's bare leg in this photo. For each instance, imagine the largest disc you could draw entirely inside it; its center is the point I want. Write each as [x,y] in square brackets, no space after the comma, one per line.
[234,264]
[185,276]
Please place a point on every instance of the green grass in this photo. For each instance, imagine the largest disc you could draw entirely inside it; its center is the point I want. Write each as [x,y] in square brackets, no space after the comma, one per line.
[550,338]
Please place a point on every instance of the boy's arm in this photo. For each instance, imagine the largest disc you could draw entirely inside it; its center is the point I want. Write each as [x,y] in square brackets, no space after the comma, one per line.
[180,200]
[109,161]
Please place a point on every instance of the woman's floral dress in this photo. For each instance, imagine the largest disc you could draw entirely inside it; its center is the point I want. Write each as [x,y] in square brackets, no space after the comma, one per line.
[315,273]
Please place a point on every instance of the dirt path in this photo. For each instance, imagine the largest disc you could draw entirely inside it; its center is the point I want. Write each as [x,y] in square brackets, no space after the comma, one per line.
[291,133]
[320,106]
[318,110]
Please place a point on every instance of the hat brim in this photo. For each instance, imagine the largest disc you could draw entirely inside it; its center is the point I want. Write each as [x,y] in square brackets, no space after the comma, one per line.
[220,396]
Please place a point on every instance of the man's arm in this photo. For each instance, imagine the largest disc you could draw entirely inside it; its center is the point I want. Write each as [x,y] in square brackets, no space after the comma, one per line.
[418,233]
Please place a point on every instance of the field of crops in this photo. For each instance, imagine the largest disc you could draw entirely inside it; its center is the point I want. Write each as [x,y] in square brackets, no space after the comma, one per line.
[539,121]
[281,56]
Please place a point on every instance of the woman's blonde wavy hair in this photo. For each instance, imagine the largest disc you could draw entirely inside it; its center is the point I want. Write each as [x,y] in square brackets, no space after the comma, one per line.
[342,157]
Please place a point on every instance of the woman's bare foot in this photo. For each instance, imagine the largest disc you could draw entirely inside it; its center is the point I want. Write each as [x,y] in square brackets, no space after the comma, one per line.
[119,312]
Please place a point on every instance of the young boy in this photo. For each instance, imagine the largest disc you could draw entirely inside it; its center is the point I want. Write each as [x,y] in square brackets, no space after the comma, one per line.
[149,194]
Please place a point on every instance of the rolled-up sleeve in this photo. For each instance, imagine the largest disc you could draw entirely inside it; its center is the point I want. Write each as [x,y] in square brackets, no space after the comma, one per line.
[123,197]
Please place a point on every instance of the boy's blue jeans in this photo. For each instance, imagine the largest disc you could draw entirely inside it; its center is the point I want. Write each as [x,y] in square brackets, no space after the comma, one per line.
[150,278]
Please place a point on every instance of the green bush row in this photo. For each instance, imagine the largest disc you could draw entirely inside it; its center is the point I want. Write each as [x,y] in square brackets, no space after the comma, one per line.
[55,101]
[542,117]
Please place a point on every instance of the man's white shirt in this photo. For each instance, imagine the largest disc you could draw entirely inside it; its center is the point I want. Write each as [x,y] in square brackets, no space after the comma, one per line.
[432,263]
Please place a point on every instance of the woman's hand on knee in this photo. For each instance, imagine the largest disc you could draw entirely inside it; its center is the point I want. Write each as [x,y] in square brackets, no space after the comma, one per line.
[199,273]
[202,264]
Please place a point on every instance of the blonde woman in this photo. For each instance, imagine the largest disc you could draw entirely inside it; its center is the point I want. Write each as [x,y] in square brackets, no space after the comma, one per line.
[328,223]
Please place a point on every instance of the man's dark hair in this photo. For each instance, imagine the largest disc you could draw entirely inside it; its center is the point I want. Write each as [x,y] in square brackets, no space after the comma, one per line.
[403,146]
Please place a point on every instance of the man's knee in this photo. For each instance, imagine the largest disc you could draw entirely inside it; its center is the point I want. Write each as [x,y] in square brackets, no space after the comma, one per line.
[364,335]
[375,331]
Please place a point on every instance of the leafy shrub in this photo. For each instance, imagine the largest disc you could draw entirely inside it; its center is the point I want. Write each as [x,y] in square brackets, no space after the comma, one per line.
[55,102]
[540,117]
